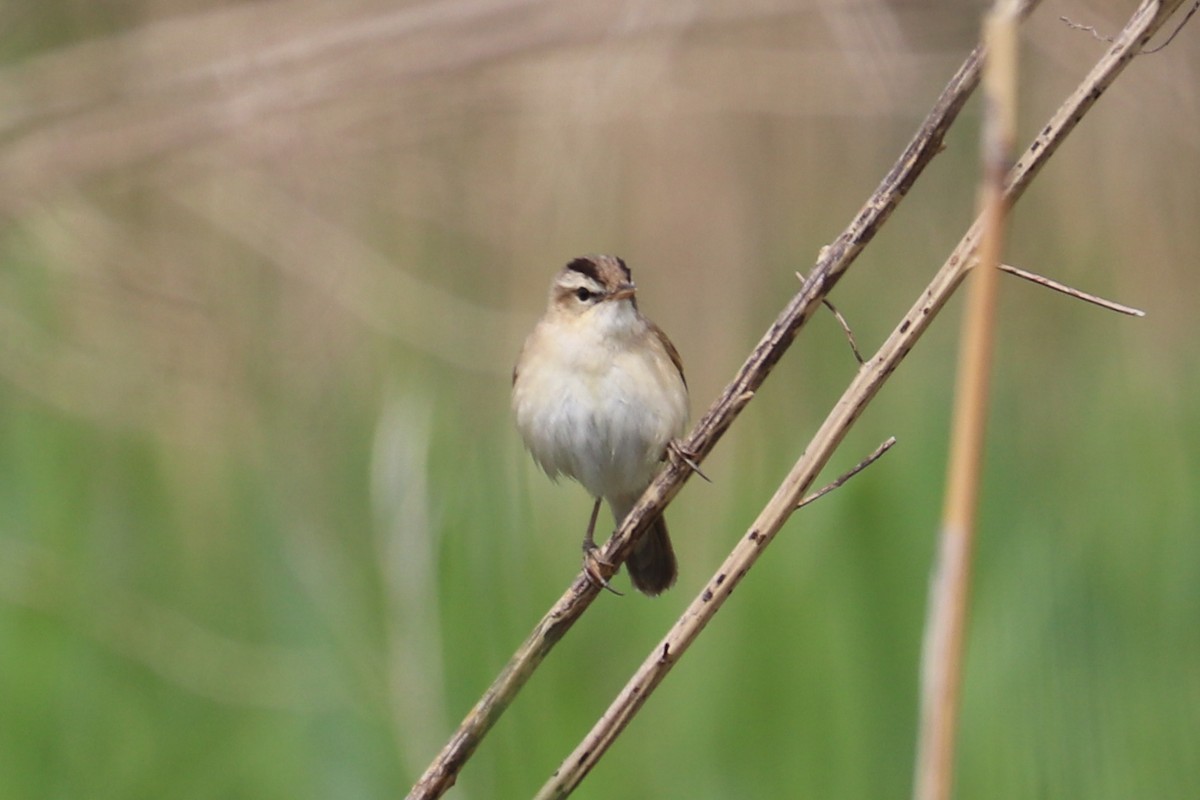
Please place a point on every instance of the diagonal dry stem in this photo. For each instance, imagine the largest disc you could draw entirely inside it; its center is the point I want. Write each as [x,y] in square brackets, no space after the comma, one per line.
[1148,18]
[832,264]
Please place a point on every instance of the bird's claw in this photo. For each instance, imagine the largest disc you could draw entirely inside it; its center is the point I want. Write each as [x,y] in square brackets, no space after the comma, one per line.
[676,450]
[591,567]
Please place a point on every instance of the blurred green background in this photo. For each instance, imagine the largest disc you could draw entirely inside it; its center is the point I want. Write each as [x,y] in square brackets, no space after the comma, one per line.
[266,529]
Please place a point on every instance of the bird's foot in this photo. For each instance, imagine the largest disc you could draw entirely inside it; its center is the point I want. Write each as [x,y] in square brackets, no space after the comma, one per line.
[592,564]
[678,452]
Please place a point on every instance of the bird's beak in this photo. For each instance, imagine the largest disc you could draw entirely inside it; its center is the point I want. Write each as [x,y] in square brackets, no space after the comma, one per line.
[622,292]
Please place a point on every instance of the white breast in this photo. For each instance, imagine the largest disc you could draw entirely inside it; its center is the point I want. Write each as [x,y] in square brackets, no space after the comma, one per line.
[598,408]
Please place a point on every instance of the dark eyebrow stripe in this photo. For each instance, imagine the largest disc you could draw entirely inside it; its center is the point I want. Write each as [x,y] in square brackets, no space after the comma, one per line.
[585,266]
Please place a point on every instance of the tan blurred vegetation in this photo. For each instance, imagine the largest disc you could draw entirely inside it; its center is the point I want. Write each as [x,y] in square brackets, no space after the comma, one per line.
[413,172]
[264,267]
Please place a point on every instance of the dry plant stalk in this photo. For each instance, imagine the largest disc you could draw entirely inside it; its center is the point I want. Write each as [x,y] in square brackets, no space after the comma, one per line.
[950,590]
[1146,20]
[834,261]
[1043,281]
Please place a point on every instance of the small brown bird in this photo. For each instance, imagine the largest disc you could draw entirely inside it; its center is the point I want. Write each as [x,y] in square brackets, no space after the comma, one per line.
[599,396]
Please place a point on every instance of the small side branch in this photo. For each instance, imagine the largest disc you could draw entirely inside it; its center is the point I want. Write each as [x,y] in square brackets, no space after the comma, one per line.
[1174,33]
[1109,40]
[845,328]
[1040,280]
[1078,26]
[859,467]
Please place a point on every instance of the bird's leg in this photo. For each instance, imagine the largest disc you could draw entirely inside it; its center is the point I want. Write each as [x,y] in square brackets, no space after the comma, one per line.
[676,451]
[591,561]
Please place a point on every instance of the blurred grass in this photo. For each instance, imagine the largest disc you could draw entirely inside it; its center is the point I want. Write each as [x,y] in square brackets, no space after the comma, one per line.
[265,527]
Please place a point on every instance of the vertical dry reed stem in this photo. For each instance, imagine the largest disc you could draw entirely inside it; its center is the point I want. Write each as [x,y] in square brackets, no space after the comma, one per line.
[942,652]
[950,590]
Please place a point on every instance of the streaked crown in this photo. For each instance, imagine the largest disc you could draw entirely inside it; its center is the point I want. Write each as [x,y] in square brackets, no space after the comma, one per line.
[589,280]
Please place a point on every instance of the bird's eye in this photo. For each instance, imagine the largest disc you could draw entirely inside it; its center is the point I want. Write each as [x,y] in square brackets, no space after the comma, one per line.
[584,294]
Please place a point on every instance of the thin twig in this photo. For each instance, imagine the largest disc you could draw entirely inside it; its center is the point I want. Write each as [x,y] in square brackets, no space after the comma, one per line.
[1041,280]
[1146,20]
[845,328]
[1088,28]
[835,259]
[1175,32]
[859,467]
[949,592]
[1109,40]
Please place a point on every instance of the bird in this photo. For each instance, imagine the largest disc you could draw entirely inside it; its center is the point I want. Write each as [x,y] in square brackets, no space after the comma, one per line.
[599,396]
